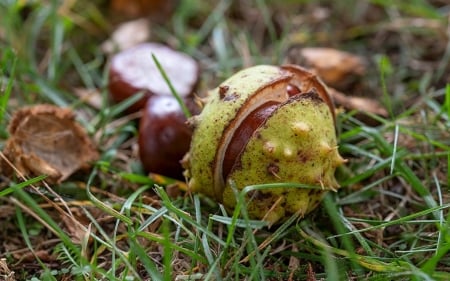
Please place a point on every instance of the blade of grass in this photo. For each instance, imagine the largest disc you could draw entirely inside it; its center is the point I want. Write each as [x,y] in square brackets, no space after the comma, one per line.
[367,262]
[163,212]
[254,224]
[334,214]
[215,16]
[167,250]
[443,241]
[101,205]
[50,92]
[159,239]
[399,221]
[37,23]
[367,173]
[183,106]
[8,63]
[21,185]
[385,69]
[25,236]
[394,149]
[185,216]
[82,69]
[126,208]
[277,235]
[360,195]
[447,103]
[33,209]
[56,47]
[404,170]
[145,259]
[447,100]
[121,107]
[213,262]
[240,202]
[156,215]
[106,243]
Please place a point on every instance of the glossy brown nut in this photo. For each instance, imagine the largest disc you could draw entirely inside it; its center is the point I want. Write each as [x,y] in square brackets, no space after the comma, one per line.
[164,136]
[133,71]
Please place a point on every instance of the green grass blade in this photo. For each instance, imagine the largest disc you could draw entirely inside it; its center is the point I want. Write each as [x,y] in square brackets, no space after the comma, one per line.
[183,106]
[401,220]
[147,262]
[8,65]
[21,185]
[385,68]
[46,275]
[101,205]
[186,217]
[38,211]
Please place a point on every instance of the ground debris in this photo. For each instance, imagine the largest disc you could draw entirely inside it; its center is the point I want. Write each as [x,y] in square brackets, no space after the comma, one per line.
[336,68]
[362,104]
[5,273]
[46,140]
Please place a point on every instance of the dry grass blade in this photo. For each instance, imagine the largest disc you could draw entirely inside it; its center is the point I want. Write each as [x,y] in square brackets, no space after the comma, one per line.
[5,273]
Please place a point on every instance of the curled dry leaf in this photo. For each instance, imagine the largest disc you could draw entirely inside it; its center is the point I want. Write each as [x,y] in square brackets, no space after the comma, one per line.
[359,103]
[45,139]
[78,226]
[337,69]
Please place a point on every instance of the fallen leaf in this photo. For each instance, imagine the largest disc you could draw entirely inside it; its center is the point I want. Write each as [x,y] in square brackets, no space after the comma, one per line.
[77,231]
[336,68]
[28,256]
[46,139]
[358,103]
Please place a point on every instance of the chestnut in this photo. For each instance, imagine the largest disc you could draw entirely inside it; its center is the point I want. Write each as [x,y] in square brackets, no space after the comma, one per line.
[266,124]
[164,136]
[133,70]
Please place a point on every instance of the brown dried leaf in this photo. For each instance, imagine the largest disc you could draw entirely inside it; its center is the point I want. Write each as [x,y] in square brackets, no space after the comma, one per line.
[76,231]
[336,68]
[358,103]
[31,255]
[45,139]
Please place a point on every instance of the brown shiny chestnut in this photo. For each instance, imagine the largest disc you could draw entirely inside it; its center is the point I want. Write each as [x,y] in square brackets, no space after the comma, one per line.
[164,136]
[133,70]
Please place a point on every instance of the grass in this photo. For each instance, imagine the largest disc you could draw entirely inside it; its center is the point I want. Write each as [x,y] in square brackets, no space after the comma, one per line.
[389,221]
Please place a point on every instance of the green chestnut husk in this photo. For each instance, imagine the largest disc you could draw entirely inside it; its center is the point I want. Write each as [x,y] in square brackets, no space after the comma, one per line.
[266,124]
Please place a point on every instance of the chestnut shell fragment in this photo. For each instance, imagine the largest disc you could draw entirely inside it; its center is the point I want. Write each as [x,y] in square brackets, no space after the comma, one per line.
[47,140]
